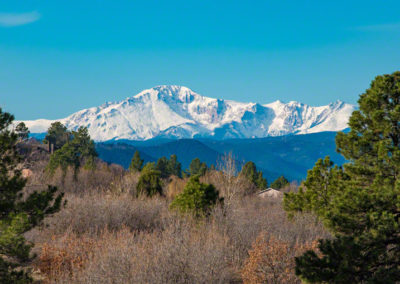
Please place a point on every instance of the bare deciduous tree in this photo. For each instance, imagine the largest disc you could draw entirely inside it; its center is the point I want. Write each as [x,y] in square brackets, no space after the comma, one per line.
[234,185]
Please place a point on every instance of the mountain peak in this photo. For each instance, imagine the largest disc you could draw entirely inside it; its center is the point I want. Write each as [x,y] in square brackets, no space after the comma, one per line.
[171,90]
[172,111]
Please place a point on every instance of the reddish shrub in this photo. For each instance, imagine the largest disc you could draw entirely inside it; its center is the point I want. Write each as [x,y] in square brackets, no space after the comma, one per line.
[272,260]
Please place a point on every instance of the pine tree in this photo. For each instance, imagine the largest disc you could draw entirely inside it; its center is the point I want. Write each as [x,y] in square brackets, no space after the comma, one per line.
[18,214]
[22,131]
[196,167]
[261,181]
[57,135]
[77,152]
[359,203]
[174,167]
[249,171]
[279,183]
[149,181]
[197,198]
[136,163]
[162,167]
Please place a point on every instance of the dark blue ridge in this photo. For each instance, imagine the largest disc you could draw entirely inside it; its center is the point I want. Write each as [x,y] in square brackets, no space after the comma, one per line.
[290,155]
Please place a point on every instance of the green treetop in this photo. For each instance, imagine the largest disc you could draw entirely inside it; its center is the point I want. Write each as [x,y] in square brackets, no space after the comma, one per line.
[197,198]
[261,182]
[22,131]
[149,181]
[78,151]
[162,167]
[136,163]
[359,203]
[169,167]
[57,135]
[196,167]
[174,167]
[279,183]
[249,171]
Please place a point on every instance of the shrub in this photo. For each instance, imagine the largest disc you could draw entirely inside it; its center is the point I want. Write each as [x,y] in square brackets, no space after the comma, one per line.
[175,187]
[272,260]
[149,181]
[197,198]
[182,253]
[140,241]
[64,255]
[91,213]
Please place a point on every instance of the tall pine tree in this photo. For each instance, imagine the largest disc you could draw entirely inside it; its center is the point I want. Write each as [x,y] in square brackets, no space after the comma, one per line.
[359,203]
[18,214]
[162,167]
[22,131]
[196,167]
[174,167]
[136,163]
[57,135]
[80,150]
[249,171]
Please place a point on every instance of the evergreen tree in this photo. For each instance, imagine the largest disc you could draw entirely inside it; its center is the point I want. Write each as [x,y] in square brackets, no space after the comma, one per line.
[249,171]
[317,191]
[197,198]
[136,163]
[18,214]
[261,181]
[163,167]
[359,203]
[57,135]
[79,151]
[279,183]
[196,167]
[22,131]
[174,167]
[149,181]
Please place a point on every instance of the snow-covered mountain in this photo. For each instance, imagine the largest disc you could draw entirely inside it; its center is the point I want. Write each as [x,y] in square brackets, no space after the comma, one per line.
[178,112]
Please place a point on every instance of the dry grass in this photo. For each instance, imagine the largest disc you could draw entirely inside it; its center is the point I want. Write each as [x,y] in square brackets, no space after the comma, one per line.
[119,239]
[174,187]
[92,213]
[106,235]
[64,255]
[182,253]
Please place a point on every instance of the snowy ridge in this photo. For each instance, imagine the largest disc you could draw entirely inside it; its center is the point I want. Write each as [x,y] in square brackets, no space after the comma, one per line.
[178,112]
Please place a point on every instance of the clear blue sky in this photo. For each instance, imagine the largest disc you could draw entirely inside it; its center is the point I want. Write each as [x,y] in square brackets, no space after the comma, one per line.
[57,57]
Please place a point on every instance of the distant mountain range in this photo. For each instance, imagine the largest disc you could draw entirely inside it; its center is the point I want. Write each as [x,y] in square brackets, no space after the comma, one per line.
[289,155]
[176,112]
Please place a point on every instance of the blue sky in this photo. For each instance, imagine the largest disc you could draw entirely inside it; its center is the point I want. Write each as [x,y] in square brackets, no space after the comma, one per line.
[57,57]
